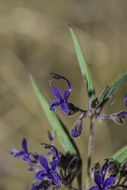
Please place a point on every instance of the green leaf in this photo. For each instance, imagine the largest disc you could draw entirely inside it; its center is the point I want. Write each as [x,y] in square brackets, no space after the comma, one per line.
[109,90]
[120,156]
[64,137]
[83,66]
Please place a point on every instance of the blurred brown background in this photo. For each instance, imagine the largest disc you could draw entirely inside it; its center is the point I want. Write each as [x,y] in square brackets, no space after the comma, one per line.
[34,38]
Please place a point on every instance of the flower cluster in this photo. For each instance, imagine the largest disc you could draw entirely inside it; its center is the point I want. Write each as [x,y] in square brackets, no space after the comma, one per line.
[64,168]
[67,108]
[47,175]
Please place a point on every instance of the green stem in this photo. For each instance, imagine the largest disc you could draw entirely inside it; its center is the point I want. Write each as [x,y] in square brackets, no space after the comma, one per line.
[90,149]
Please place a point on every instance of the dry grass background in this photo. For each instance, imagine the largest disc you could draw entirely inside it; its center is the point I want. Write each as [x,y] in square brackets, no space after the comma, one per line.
[34,37]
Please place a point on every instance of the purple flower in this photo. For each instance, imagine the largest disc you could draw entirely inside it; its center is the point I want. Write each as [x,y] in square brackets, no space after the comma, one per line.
[47,171]
[61,101]
[125,100]
[24,152]
[102,183]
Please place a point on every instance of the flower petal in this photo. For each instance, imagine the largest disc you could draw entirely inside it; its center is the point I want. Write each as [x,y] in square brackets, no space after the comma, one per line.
[24,145]
[64,107]
[53,104]
[26,158]
[94,188]
[57,93]
[97,179]
[125,100]
[109,181]
[54,177]
[44,162]
[14,151]
[104,170]
[41,174]
[66,94]
[54,164]
[18,154]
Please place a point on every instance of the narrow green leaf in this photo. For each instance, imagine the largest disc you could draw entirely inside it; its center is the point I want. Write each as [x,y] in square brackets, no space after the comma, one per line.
[120,156]
[83,66]
[59,128]
[109,90]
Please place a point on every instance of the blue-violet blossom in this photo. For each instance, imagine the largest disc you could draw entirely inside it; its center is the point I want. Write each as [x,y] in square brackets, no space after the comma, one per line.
[48,172]
[102,183]
[24,152]
[61,101]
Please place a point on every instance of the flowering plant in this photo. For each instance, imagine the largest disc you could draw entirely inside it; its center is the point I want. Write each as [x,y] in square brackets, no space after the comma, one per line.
[65,167]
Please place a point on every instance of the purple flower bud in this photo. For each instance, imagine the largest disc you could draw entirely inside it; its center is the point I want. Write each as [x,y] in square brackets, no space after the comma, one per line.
[123,114]
[77,128]
[117,119]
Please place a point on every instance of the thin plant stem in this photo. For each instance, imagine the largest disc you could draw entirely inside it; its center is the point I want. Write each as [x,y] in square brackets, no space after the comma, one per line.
[90,146]
[90,149]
